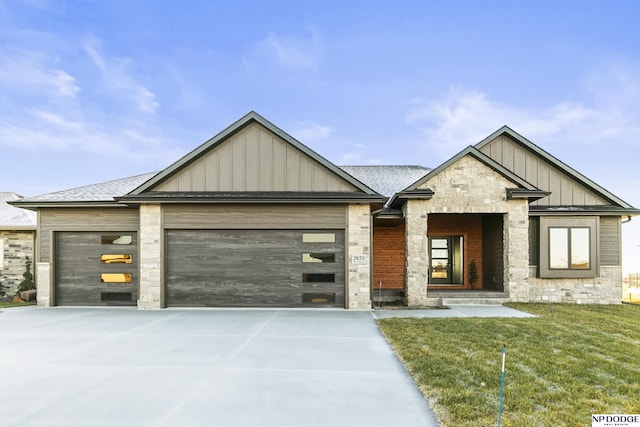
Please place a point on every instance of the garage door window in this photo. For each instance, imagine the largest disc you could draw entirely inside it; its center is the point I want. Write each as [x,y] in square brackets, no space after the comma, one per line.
[318,298]
[318,237]
[318,257]
[117,240]
[116,277]
[116,259]
[318,277]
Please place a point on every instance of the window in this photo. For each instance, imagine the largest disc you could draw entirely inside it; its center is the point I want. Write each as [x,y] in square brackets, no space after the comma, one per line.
[116,277]
[116,259]
[318,277]
[568,247]
[318,237]
[445,255]
[318,298]
[318,257]
[117,240]
[115,296]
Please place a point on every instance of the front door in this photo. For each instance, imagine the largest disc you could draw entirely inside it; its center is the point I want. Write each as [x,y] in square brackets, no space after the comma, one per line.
[445,254]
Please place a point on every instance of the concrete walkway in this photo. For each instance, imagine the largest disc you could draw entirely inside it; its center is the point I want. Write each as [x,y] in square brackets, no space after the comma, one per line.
[123,367]
[471,310]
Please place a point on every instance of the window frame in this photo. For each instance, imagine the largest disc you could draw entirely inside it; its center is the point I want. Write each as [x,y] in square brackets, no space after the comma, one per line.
[569,222]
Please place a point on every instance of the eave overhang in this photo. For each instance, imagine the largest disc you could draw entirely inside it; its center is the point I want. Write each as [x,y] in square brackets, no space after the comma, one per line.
[582,210]
[522,193]
[250,197]
[398,199]
[34,206]
[18,227]
[388,213]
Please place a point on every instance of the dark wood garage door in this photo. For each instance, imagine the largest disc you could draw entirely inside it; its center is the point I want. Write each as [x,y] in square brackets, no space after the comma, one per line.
[96,268]
[255,268]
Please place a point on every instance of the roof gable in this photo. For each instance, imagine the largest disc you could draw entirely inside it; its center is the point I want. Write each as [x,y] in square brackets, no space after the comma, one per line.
[523,158]
[479,156]
[253,155]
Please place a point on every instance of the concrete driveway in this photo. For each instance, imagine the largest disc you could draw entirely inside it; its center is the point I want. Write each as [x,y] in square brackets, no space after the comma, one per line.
[123,367]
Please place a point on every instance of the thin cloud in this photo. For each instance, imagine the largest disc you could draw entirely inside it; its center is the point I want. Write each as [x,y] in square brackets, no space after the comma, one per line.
[118,78]
[35,73]
[465,116]
[311,131]
[39,129]
[288,51]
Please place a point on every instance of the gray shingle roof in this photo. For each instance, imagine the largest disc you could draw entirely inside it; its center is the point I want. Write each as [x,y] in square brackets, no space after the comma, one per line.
[101,192]
[386,180]
[11,216]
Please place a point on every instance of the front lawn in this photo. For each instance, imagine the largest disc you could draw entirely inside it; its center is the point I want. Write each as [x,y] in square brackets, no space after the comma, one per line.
[4,304]
[561,367]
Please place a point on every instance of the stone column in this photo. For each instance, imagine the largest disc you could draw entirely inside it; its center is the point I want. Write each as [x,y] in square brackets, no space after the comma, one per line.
[43,284]
[358,253]
[516,253]
[417,263]
[150,244]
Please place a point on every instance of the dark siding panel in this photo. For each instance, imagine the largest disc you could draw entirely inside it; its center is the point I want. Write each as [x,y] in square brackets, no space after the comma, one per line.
[61,219]
[492,252]
[254,216]
[610,242]
[248,268]
[78,268]
[534,238]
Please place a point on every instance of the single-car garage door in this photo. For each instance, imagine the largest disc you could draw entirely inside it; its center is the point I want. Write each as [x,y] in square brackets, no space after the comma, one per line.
[96,268]
[255,268]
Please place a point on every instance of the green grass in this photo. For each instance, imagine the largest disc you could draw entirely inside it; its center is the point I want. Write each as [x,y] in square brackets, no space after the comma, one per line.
[15,304]
[560,367]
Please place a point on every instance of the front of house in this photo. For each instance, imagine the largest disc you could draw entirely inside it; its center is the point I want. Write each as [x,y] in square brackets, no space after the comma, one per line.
[253,218]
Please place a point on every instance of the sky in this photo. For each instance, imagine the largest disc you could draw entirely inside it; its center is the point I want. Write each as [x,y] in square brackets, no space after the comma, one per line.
[92,90]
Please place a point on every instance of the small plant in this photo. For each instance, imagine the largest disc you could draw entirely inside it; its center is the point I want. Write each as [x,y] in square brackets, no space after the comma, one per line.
[473,273]
[27,281]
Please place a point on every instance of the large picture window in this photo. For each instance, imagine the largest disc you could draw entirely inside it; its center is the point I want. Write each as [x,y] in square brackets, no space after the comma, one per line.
[568,247]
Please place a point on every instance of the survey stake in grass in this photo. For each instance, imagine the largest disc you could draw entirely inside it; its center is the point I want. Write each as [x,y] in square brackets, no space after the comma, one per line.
[504,356]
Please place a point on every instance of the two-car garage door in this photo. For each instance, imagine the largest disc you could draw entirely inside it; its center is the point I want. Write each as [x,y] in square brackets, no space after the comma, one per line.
[255,268]
[206,268]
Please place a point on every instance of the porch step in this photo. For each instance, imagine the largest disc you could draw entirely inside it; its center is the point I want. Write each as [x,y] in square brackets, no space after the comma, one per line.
[473,301]
[470,297]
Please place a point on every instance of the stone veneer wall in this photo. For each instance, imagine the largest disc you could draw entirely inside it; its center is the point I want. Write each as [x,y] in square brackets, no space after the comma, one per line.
[150,243]
[605,289]
[468,186]
[358,286]
[417,262]
[17,246]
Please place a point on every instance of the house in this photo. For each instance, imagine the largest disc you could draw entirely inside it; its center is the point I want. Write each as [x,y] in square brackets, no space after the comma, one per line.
[252,217]
[17,239]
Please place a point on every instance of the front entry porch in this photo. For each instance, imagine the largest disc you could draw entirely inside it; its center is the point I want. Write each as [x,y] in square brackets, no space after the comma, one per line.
[465,253]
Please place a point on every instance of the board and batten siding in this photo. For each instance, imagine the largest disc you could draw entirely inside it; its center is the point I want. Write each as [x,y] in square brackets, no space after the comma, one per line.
[254,216]
[565,191]
[610,241]
[255,159]
[81,219]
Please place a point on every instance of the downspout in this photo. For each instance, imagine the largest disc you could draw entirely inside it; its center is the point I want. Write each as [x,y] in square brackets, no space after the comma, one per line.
[628,220]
